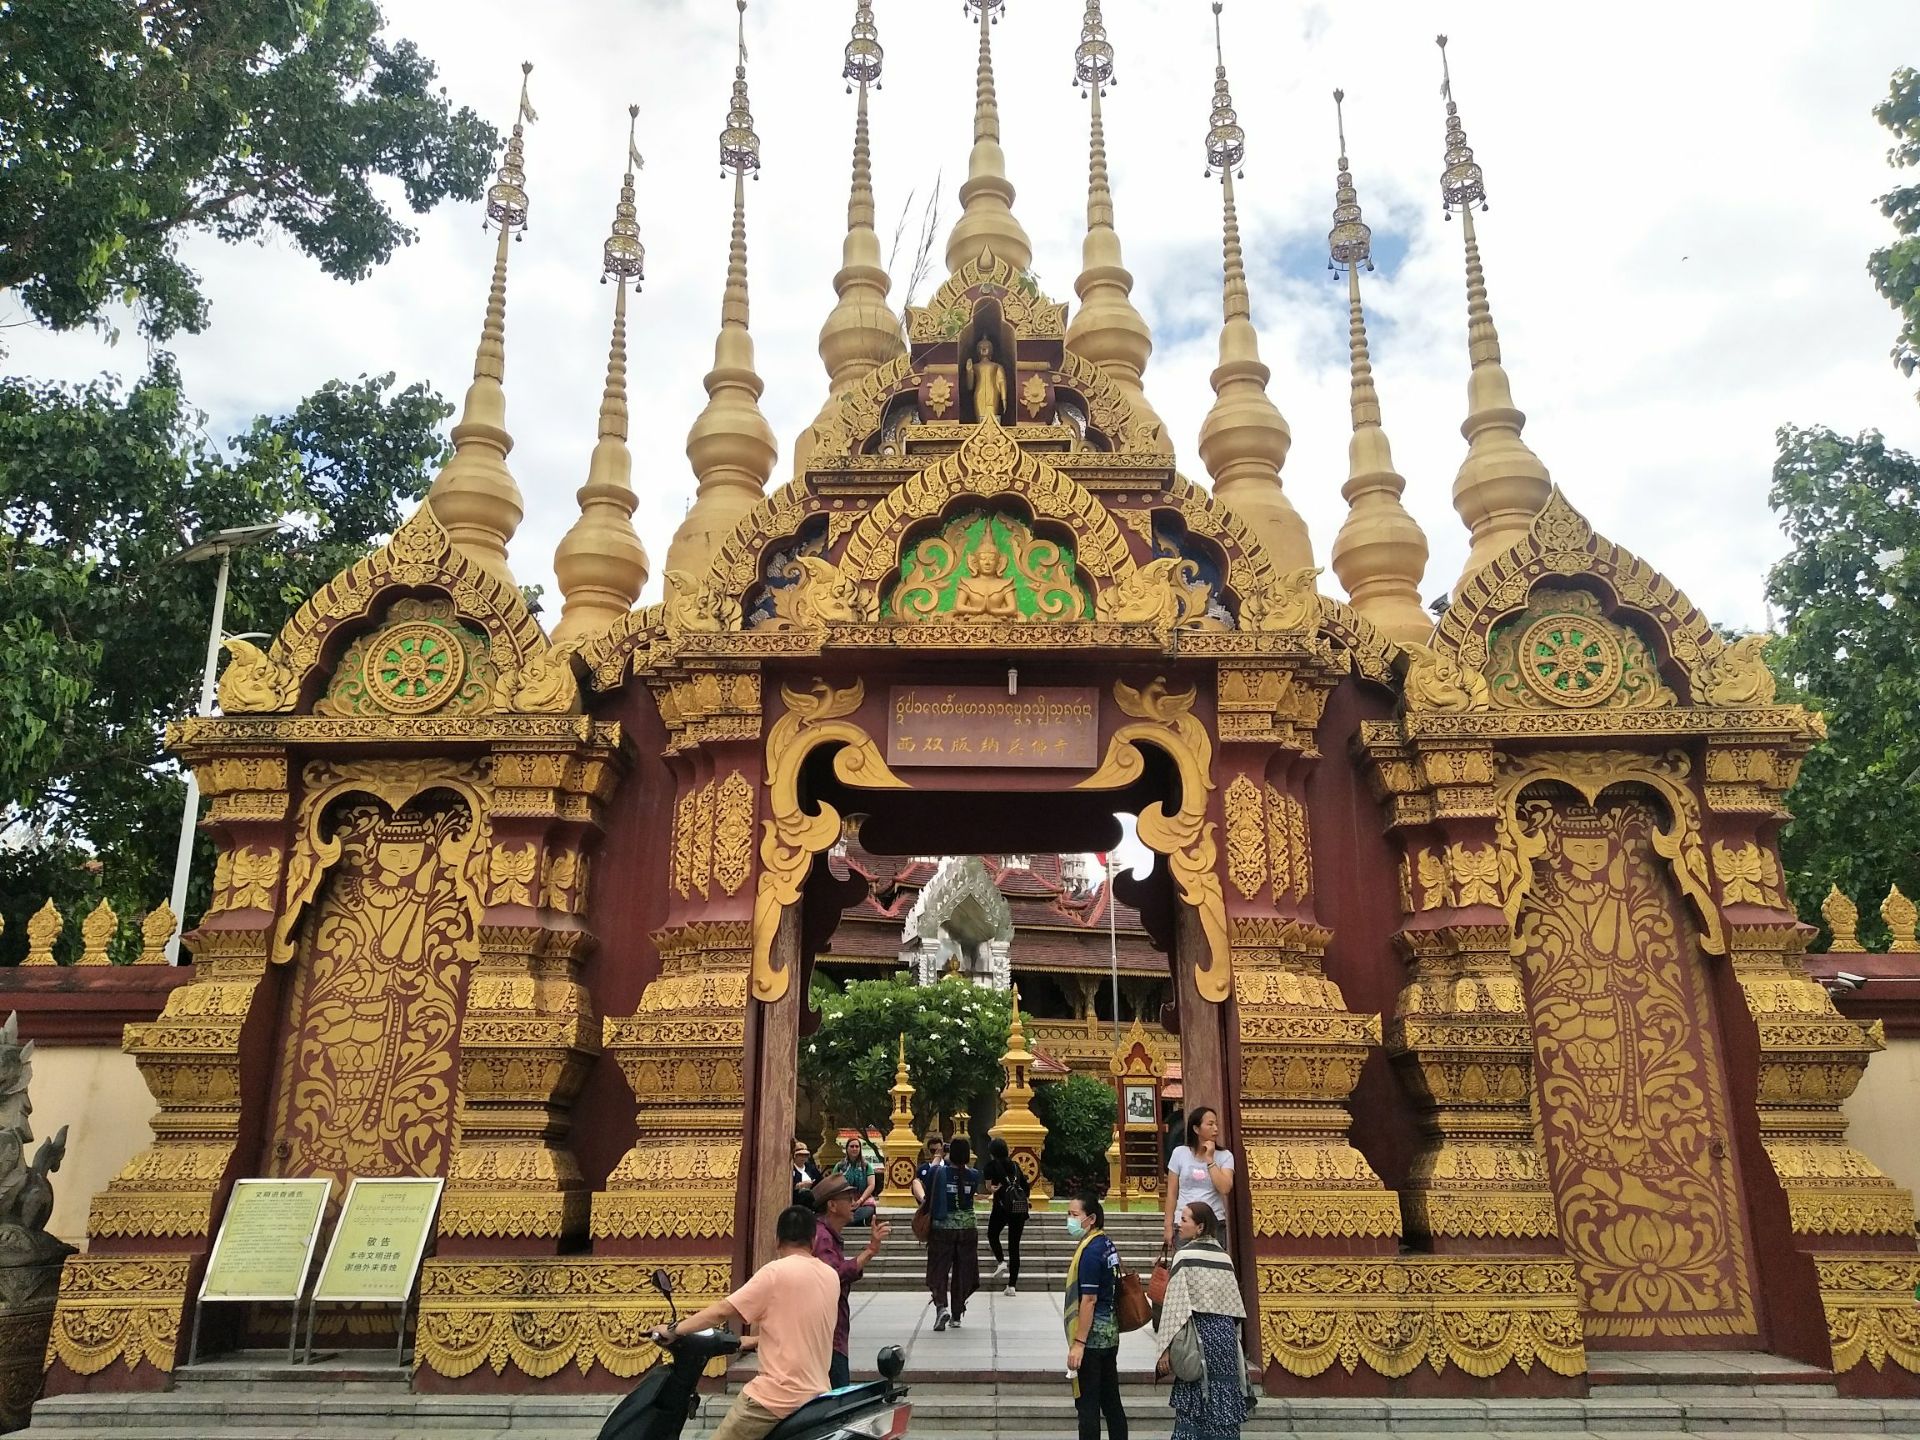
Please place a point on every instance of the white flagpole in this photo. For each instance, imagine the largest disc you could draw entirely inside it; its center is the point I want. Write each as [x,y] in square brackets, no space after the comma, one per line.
[1113,947]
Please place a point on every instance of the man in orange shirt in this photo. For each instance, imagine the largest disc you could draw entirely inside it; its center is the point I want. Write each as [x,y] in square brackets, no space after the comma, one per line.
[794,1299]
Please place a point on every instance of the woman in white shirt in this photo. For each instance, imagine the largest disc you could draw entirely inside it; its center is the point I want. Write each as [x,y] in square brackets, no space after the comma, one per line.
[1199,1170]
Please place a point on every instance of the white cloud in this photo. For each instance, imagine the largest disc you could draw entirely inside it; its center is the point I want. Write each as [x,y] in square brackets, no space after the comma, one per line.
[1683,201]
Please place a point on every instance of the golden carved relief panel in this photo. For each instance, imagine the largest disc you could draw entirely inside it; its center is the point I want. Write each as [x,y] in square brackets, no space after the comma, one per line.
[366,1084]
[1632,1099]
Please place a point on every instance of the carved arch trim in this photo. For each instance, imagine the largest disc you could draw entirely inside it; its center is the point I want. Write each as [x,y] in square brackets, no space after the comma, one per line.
[394,783]
[1560,544]
[790,837]
[1187,838]
[1591,773]
[536,675]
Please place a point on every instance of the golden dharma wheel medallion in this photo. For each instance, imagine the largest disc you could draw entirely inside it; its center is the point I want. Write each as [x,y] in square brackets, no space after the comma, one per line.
[414,667]
[1570,661]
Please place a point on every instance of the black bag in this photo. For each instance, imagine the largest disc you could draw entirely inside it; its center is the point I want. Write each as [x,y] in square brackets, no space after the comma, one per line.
[1017,1191]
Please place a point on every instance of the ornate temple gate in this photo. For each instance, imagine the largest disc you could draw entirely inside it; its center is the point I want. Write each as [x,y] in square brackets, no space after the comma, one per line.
[418,795]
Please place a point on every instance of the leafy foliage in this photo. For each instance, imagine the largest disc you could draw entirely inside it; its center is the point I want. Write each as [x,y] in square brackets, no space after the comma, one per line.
[1849,596]
[125,126]
[1078,1112]
[1896,268]
[106,637]
[956,1033]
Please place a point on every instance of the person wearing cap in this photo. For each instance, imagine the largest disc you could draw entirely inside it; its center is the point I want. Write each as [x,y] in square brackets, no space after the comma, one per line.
[833,1198]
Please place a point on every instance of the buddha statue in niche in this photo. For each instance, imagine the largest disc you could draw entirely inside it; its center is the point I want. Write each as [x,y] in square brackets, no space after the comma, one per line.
[986,591]
[986,381]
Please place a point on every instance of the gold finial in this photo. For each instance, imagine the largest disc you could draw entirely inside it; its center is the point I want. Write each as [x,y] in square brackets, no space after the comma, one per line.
[1901,916]
[861,332]
[987,222]
[474,496]
[600,563]
[1501,485]
[730,446]
[155,931]
[1843,919]
[1244,439]
[1380,553]
[1106,328]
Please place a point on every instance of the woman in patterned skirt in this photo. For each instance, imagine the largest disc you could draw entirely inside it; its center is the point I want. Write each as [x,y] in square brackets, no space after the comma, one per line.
[1203,1288]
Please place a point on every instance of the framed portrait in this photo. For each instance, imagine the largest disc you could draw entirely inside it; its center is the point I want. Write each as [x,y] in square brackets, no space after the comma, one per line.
[1141,1109]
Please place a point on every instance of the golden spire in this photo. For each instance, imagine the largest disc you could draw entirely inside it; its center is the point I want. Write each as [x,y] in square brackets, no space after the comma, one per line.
[474,495]
[1502,484]
[1106,329]
[1380,553]
[861,333]
[1244,439]
[601,564]
[986,220]
[731,446]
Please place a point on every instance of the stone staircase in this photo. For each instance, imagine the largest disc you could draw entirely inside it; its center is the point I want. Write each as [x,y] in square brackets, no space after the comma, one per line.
[1045,1249]
[257,1397]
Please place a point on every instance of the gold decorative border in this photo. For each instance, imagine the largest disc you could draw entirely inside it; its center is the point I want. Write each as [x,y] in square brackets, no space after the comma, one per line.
[1871,1312]
[123,1308]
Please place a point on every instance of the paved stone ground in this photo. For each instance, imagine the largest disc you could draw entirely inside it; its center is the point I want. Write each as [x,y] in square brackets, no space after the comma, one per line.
[998,1377]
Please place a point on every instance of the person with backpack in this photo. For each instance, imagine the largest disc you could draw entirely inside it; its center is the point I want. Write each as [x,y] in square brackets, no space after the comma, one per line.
[953,1236]
[1092,1321]
[1010,1192]
[1199,1334]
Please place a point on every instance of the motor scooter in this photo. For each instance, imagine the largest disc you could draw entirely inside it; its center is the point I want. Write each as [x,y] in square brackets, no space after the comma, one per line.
[659,1407]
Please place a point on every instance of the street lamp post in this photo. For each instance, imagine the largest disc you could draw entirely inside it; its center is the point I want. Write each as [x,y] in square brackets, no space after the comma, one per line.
[221,543]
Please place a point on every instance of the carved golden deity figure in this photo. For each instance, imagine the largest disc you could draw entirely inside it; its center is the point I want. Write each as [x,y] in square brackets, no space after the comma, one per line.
[986,591]
[1632,1103]
[367,1087]
[987,379]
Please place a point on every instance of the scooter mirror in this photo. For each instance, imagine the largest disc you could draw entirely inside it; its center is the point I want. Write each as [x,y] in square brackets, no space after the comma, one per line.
[663,1282]
[890,1361]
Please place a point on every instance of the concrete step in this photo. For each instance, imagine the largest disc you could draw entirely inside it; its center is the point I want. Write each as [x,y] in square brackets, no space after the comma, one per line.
[997,1410]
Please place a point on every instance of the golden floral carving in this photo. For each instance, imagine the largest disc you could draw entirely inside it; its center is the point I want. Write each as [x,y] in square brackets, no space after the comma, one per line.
[1562,652]
[1186,838]
[1901,917]
[700,860]
[1246,837]
[1843,919]
[510,872]
[1871,1315]
[790,837]
[1631,1084]
[122,1309]
[1033,395]
[1436,682]
[96,934]
[1279,841]
[43,931]
[1748,875]
[1167,592]
[1738,675]
[733,832]
[254,682]
[1436,882]
[939,396]
[155,931]
[817,595]
[1286,602]
[698,608]
[244,878]
[682,876]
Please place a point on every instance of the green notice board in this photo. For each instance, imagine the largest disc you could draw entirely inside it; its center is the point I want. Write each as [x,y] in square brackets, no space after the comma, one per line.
[266,1240]
[379,1241]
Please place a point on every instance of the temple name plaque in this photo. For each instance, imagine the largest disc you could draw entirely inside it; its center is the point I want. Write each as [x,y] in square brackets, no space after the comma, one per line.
[1049,727]
[266,1240]
[380,1240]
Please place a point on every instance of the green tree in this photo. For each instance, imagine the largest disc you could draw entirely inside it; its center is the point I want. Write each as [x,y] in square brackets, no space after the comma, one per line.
[99,485]
[125,127]
[1078,1112]
[956,1033]
[1896,268]
[1848,594]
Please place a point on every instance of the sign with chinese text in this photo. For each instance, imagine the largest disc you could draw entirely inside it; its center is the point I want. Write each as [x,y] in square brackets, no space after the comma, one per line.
[1049,726]
[266,1240]
[378,1244]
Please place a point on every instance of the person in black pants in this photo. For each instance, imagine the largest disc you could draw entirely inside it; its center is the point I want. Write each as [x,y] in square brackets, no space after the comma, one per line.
[1093,1329]
[1009,1213]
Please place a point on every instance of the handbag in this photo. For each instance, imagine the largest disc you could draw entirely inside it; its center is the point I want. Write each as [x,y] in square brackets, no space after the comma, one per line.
[1184,1356]
[1157,1282]
[922,1223]
[1131,1309]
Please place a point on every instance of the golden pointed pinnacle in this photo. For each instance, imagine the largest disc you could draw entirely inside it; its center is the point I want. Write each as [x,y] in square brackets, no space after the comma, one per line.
[861,332]
[600,563]
[1244,439]
[731,446]
[1380,553]
[986,220]
[1106,329]
[1502,484]
[474,496]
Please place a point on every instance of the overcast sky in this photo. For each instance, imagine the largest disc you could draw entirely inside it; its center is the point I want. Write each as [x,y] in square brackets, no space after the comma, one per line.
[1683,199]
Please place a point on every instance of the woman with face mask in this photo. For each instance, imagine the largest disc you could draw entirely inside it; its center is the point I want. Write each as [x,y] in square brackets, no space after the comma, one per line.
[1093,1330]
